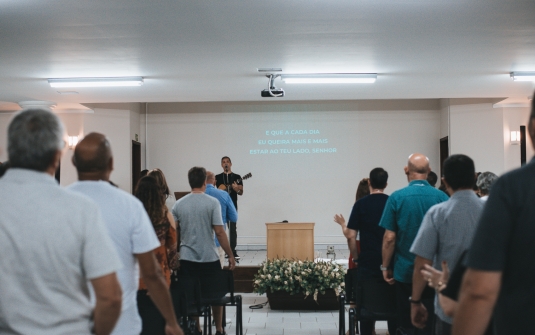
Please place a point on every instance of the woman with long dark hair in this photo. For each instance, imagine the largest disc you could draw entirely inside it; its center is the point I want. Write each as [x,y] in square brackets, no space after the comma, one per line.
[149,192]
[164,188]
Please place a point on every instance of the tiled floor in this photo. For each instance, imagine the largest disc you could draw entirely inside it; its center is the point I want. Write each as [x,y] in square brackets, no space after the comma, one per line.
[269,322]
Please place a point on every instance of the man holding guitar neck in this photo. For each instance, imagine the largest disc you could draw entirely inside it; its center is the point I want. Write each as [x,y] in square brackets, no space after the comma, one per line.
[232,183]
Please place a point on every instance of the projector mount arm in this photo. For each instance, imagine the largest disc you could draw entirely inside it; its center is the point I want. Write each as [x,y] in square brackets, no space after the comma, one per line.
[271,86]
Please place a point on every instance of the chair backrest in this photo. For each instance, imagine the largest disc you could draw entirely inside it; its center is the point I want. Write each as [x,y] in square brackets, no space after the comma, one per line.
[219,285]
[349,282]
[375,298]
[186,292]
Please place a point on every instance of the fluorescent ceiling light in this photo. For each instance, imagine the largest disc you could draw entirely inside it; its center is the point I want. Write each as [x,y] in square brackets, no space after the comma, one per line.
[523,76]
[96,82]
[329,78]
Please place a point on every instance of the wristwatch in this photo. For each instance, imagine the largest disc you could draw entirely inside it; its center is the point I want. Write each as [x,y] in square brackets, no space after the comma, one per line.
[414,301]
[383,268]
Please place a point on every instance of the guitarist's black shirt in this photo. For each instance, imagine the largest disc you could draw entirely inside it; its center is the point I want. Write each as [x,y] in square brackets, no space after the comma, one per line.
[227,180]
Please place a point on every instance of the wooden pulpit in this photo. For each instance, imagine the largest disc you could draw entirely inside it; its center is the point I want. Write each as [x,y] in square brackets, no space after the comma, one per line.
[290,240]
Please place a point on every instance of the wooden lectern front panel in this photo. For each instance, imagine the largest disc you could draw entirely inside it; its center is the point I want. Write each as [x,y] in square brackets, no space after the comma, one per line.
[290,240]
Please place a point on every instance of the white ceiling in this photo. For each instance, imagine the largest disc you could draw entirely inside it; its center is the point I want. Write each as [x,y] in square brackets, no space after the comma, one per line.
[208,50]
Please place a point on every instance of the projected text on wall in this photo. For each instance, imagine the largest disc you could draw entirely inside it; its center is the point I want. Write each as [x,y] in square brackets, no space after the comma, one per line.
[292,141]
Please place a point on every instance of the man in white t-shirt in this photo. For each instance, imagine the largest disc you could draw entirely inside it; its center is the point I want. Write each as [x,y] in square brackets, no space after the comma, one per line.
[130,229]
[52,241]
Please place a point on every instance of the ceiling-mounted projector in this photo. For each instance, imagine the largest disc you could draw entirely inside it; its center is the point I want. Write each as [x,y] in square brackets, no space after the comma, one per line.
[272,91]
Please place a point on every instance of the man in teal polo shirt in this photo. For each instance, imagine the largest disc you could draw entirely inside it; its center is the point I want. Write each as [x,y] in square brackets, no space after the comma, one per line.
[402,217]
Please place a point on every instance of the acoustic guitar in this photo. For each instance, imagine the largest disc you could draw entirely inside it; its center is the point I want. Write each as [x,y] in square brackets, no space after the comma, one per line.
[229,187]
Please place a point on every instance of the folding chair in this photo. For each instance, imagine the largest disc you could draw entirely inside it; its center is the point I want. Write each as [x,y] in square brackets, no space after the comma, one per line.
[375,300]
[345,299]
[221,284]
[186,296]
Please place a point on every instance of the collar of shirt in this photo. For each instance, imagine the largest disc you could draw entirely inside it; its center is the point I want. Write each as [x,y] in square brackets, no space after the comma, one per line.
[209,186]
[26,176]
[419,182]
[464,194]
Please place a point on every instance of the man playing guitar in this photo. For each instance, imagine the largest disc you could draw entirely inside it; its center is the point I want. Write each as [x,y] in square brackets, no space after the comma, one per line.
[232,183]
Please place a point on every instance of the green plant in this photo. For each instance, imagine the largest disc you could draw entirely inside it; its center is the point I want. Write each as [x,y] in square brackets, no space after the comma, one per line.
[293,276]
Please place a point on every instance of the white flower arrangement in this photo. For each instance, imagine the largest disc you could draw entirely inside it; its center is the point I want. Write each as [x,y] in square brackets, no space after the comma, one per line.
[295,276]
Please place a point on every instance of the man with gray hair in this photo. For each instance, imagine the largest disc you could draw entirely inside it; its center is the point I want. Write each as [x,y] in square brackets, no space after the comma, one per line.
[484,183]
[52,241]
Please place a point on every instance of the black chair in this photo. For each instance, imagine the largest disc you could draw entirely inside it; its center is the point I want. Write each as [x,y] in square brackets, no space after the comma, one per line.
[221,285]
[375,300]
[346,298]
[186,296]
[352,323]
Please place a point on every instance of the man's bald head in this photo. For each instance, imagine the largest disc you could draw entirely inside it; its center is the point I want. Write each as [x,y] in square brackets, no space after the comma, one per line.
[210,178]
[417,167]
[93,155]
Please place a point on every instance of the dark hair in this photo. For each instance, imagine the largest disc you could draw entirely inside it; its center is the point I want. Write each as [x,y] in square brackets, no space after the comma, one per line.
[227,158]
[459,172]
[378,178]
[148,192]
[196,177]
[95,161]
[4,167]
[143,173]
[432,178]
[160,180]
[363,189]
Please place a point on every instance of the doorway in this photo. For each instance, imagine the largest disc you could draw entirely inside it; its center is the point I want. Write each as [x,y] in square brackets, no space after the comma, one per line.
[136,164]
[444,153]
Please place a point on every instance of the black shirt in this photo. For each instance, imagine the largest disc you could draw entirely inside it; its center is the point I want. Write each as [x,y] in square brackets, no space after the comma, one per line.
[365,218]
[228,180]
[505,242]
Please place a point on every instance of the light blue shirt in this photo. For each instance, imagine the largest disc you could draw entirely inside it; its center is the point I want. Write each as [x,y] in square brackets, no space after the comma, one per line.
[228,211]
[403,214]
[447,231]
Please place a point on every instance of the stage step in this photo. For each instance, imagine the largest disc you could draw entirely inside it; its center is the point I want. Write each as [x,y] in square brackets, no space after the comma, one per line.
[243,278]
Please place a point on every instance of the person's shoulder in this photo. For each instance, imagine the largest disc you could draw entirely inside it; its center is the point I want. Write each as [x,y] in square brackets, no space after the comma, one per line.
[74,199]
[521,175]
[400,192]
[207,198]
[438,193]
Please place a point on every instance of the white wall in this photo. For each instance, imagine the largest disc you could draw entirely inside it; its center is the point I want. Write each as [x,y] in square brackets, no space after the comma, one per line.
[115,124]
[74,126]
[476,130]
[298,188]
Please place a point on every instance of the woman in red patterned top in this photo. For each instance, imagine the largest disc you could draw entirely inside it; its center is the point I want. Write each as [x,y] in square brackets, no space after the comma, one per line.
[149,192]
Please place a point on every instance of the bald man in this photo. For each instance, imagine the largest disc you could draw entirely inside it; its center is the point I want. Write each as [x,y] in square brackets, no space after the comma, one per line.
[402,217]
[131,231]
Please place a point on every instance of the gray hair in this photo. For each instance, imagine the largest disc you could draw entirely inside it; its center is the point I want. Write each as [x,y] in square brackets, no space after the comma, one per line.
[33,138]
[484,182]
